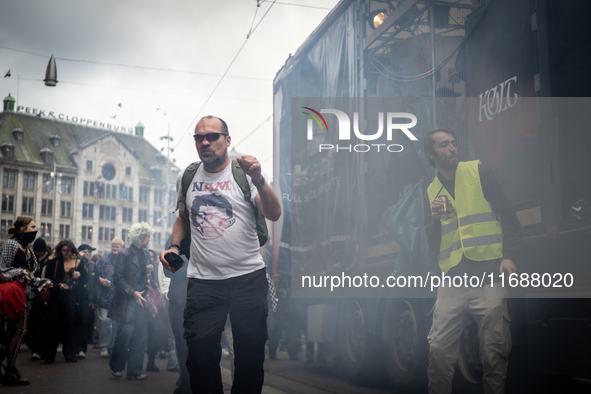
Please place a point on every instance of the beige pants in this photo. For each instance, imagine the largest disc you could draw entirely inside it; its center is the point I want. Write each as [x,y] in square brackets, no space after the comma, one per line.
[488,307]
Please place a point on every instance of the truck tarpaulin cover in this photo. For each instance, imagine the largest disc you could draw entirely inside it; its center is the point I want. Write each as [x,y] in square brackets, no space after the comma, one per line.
[406,223]
[327,70]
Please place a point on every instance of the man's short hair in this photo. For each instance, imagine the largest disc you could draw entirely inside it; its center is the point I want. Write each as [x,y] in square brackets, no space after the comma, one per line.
[224,128]
[429,143]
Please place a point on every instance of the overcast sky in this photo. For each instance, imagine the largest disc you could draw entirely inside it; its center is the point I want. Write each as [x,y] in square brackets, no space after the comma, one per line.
[198,36]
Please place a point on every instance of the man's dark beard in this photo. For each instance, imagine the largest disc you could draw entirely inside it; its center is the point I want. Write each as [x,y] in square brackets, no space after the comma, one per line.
[446,164]
[213,161]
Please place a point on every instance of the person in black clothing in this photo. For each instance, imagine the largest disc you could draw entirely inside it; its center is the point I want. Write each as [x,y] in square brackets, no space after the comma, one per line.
[35,323]
[91,289]
[42,252]
[66,309]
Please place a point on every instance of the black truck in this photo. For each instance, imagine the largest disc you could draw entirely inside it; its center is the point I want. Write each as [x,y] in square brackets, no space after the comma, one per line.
[466,65]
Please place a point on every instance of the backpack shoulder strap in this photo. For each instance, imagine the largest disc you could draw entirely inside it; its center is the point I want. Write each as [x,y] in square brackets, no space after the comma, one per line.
[240,178]
[261,224]
[187,177]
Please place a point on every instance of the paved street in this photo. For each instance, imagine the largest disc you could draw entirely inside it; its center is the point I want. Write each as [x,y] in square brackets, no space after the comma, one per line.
[88,376]
[282,376]
[91,376]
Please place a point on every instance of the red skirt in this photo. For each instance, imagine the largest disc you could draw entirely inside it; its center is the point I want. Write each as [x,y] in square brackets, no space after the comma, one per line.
[13,297]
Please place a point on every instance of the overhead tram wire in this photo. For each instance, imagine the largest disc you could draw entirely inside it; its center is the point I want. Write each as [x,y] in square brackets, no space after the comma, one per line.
[134,66]
[304,5]
[139,89]
[251,32]
[255,129]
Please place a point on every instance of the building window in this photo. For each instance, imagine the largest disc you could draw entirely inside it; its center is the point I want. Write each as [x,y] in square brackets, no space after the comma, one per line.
[144,193]
[87,210]
[156,239]
[89,164]
[7,150]
[45,231]
[67,183]
[157,218]
[125,236]
[87,233]
[64,231]
[47,183]
[142,215]
[123,191]
[112,192]
[127,214]
[66,209]
[46,155]
[7,203]
[9,179]
[128,171]
[100,188]
[106,233]
[29,181]
[172,198]
[18,134]
[46,207]
[88,189]
[158,196]
[55,140]
[107,212]
[5,225]
[130,193]
[28,205]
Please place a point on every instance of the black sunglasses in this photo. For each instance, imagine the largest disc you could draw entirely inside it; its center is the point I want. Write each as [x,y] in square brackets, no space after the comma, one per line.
[209,136]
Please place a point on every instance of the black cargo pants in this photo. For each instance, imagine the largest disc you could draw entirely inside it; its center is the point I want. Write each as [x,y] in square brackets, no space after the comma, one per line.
[208,304]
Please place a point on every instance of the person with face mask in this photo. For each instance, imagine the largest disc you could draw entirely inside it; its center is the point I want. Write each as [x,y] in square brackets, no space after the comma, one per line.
[18,287]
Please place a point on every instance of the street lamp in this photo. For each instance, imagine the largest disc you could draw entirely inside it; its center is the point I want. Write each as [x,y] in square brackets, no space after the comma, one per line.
[51,73]
[168,139]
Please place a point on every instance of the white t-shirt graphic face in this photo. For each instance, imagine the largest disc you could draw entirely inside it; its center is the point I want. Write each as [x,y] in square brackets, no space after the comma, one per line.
[209,215]
[224,242]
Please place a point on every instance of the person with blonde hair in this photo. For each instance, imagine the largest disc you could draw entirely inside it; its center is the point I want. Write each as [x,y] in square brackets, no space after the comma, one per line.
[128,306]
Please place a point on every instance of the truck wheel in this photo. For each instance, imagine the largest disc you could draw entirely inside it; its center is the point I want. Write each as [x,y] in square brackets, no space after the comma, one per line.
[469,362]
[405,344]
[353,343]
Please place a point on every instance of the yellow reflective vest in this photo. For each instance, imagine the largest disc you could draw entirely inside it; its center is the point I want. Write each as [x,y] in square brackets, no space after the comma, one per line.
[472,229]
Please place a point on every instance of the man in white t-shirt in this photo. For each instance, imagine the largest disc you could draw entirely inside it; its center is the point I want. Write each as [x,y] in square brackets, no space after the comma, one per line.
[226,271]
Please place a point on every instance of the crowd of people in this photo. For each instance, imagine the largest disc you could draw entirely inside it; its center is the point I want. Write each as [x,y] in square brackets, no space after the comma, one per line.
[61,299]
[221,285]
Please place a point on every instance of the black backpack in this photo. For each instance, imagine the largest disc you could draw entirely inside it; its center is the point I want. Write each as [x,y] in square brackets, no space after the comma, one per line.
[240,177]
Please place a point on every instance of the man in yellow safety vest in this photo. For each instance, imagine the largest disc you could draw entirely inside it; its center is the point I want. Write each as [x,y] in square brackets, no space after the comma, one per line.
[474,231]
